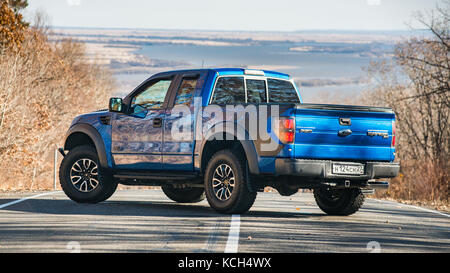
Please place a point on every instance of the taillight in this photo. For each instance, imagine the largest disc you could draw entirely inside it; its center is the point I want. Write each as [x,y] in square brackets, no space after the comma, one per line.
[286,131]
[393,134]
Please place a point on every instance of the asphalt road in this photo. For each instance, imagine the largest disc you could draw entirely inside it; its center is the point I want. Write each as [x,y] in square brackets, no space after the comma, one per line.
[147,221]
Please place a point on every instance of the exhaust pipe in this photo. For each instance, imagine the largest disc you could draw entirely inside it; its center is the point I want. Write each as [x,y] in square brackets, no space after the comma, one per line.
[368,191]
[378,184]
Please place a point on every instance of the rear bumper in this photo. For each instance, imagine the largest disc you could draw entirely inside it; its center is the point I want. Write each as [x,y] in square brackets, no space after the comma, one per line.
[322,169]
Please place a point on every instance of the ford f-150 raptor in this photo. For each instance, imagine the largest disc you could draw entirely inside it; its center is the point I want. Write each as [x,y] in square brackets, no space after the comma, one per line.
[226,134]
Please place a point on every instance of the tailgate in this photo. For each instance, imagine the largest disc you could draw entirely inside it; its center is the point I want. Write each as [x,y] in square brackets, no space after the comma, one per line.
[340,132]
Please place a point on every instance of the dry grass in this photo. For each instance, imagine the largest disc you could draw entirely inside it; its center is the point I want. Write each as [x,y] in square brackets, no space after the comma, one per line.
[420,183]
[43,86]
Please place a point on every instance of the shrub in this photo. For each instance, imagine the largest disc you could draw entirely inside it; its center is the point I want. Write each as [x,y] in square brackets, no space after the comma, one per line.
[43,86]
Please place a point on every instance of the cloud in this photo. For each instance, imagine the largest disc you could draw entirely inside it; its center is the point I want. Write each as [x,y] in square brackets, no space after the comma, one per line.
[73,3]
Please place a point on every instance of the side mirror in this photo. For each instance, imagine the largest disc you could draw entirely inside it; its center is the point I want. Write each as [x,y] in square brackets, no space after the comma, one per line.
[115,105]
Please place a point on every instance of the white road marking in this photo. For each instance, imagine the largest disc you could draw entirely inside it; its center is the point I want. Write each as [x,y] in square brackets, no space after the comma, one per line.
[233,236]
[414,207]
[26,198]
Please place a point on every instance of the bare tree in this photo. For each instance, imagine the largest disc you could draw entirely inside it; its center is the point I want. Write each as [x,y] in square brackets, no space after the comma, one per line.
[421,102]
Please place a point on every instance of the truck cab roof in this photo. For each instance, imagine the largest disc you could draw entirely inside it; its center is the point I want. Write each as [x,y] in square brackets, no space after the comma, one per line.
[231,71]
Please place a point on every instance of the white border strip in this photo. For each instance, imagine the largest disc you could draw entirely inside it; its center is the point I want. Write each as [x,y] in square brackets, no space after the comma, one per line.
[26,198]
[414,207]
[233,236]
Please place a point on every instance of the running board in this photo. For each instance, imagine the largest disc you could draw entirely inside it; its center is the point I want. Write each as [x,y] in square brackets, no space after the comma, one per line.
[154,176]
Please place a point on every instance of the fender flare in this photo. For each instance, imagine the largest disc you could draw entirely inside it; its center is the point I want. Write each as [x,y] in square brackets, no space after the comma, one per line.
[247,144]
[94,135]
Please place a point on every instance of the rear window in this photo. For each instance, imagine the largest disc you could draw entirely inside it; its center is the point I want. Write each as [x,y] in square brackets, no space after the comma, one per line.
[229,90]
[282,91]
[256,91]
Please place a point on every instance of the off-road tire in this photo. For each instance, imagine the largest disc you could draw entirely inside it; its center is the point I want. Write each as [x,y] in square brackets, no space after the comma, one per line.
[105,188]
[341,202]
[185,195]
[241,198]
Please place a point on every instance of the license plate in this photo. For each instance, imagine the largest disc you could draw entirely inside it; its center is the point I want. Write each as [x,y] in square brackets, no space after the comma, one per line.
[355,169]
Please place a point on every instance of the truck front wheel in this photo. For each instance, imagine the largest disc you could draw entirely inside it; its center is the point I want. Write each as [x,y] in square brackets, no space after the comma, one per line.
[81,177]
[226,184]
[339,201]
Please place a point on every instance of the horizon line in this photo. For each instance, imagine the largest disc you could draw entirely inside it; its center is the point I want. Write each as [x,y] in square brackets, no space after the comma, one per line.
[224,30]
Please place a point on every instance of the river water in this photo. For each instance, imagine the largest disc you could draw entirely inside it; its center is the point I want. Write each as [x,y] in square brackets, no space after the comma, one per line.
[341,65]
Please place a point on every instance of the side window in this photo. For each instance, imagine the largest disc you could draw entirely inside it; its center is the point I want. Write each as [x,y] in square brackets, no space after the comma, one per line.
[256,91]
[186,91]
[282,91]
[153,96]
[229,90]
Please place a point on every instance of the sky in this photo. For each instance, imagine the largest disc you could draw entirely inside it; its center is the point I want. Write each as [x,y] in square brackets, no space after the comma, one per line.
[250,15]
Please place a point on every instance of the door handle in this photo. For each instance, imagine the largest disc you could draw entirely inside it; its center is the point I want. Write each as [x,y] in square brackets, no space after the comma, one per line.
[157,122]
[345,121]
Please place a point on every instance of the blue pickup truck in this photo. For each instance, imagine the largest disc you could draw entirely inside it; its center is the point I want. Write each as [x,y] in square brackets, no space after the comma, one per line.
[224,135]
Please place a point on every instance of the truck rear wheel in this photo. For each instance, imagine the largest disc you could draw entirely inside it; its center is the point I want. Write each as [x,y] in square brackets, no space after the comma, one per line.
[339,201]
[185,195]
[81,177]
[226,184]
